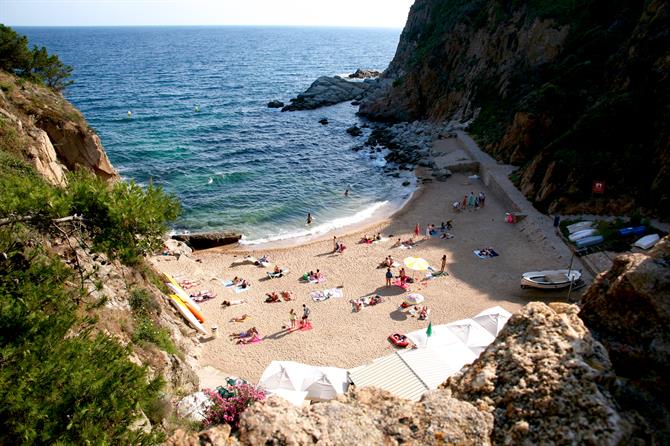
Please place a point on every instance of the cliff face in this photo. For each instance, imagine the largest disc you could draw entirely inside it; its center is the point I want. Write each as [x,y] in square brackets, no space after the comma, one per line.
[570,91]
[628,310]
[41,127]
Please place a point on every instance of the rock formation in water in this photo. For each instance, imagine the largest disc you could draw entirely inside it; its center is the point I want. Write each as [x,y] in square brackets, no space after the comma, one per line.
[40,126]
[572,92]
[328,91]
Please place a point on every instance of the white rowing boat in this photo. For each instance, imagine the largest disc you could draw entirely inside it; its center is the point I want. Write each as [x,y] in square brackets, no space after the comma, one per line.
[550,279]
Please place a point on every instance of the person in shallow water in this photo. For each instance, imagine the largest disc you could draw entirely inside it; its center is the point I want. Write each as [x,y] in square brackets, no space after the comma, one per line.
[309,218]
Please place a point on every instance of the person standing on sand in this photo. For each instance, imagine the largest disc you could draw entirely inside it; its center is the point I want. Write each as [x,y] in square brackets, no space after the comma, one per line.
[305,315]
[444,263]
[464,202]
[292,317]
[336,244]
[389,276]
[309,218]
[427,231]
[417,230]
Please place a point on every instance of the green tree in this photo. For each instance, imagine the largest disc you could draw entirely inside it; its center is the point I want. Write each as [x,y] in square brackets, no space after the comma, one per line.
[36,64]
[50,70]
[15,56]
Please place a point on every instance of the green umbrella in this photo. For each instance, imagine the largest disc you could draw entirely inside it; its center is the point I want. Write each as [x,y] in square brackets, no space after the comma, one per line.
[429,330]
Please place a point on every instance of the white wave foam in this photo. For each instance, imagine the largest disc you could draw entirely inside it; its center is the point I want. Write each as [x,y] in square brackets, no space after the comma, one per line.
[322,228]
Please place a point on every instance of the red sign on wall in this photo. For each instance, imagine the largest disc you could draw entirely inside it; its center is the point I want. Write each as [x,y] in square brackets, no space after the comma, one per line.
[598,187]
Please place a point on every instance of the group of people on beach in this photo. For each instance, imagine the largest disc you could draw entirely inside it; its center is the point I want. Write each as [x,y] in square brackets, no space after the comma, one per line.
[470,202]
[370,240]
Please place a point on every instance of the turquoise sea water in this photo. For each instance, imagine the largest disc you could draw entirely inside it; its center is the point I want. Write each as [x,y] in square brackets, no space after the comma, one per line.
[235,164]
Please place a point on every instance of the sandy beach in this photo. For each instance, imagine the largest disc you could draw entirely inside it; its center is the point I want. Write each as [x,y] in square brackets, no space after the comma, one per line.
[341,337]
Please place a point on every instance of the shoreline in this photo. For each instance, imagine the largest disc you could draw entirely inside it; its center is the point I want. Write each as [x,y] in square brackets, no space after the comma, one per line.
[361,227]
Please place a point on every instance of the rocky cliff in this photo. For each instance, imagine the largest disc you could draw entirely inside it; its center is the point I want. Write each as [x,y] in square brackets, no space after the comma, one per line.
[570,91]
[41,127]
[628,310]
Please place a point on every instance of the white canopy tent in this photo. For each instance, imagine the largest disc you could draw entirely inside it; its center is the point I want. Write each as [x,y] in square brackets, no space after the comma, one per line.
[471,334]
[493,319]
[318,383]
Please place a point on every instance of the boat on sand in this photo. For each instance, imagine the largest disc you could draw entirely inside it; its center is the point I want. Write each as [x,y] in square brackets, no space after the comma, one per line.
[551,279]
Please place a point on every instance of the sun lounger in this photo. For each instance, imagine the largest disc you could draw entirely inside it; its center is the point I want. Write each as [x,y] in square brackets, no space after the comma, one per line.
[239,289]
[274,275]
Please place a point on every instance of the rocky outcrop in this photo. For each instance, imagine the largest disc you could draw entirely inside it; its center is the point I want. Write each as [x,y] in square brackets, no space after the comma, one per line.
[571,92]
[367,416]
[328,91]
[41,127]
[628,310]
[275,104]
[207,240]
[364,74]
[545,378]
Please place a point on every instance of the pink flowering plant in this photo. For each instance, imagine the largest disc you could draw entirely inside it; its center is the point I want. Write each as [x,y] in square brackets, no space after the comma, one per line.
[228,409]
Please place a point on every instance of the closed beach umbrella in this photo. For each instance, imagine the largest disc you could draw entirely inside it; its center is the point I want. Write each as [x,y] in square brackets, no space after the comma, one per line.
[414,299]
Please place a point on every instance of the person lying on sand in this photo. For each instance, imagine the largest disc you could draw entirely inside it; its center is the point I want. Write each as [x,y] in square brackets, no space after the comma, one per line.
[240,283]
[366,240]
[227,303]
[242,318]
[262,261]
[250,340]
[272,297]
[245,334]
[286,295]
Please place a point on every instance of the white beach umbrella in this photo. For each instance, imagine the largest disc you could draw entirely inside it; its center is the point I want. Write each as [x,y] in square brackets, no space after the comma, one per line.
[414,299]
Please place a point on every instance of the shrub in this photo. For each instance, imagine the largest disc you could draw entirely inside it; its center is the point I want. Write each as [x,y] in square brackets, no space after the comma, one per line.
[146,330]
[59,382]
[143,303]
[228,410]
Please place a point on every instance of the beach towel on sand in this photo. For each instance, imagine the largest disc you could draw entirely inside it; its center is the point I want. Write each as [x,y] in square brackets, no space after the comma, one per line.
[239,290]
[479,254]
[319,296]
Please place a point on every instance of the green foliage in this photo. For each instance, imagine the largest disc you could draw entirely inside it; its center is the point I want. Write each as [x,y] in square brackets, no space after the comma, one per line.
[146,330]
[128,221]
[143,303]
[124,220]
[59,382]
[35,64]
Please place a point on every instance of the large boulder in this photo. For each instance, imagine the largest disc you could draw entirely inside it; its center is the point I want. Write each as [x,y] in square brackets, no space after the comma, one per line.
[364,74]
[328,91]
[206,240]
[628,309]
[275,104]
[367,416]
[545,380]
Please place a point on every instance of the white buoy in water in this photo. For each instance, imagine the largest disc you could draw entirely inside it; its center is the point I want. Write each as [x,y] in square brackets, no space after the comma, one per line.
[130,114]
[197,108]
